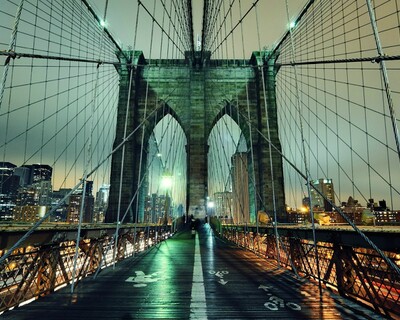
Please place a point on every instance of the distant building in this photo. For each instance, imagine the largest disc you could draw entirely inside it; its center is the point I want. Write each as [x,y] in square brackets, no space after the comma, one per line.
[7,204]
[381,211]
[30,213]
[7,169]
[60,215]
[240,188]
[57,196]
[147,209]
[75,203]
[158,208]
[44,191]
[29,174]
[24,174]
[6,172]
[151,208]
[27,196]
[40,172]
[161,205]
[101,202]
[89,188]
[324,186]
[103,194]
[10,185]
[74,208]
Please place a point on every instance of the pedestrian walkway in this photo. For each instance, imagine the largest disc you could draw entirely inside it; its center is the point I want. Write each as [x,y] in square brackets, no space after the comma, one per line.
[193,277]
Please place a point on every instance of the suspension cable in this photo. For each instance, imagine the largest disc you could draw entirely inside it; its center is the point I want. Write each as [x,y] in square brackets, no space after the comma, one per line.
[88,160]
[385,76]
[298,107]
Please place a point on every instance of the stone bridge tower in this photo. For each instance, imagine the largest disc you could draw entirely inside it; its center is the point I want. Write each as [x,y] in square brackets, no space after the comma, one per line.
[197,92]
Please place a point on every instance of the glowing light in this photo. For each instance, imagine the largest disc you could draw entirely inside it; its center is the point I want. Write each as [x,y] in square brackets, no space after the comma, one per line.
[103,23]
[210,204]
[12,266]
[26,302]
[166,181]
[159,155]
[292,25]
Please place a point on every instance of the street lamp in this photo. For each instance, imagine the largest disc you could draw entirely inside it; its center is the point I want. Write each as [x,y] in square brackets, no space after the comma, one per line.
[210,207]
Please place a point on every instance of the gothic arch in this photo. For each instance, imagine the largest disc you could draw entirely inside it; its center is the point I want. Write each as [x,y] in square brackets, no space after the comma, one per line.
[231,110]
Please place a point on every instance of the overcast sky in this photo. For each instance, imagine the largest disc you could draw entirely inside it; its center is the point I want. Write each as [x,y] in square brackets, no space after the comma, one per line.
[271,14]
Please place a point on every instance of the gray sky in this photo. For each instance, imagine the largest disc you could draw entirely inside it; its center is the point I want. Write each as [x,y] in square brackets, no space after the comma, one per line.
[271,14]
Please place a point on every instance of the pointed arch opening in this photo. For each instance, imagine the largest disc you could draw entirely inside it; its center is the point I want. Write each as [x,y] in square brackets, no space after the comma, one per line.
[229,165]
[165,196]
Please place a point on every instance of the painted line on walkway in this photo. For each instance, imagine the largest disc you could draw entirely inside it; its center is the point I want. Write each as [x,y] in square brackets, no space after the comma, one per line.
[198,306]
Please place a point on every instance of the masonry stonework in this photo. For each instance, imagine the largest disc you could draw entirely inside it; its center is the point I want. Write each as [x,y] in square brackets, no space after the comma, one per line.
[197,94]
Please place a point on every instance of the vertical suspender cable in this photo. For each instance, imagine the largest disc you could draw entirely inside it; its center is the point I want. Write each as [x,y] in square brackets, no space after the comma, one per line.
[385,76]
[77,106]
[335,87]
[249,125]
[269,144]
[88,160]
[57,102]
[66,173]
[11,47]
[242,194]
[144,125]
[364,103]
[31,73]
[46,88]
[347,71]
[131,71]
[298,103]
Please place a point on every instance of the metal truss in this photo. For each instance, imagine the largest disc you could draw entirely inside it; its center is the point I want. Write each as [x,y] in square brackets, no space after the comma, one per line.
[37,270]
[356,273]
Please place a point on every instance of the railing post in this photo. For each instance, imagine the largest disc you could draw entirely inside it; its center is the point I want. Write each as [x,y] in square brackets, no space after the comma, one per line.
[295,252]
[345,276]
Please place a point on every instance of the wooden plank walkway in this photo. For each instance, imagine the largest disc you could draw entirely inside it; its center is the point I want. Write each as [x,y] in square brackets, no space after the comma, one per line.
[193,277]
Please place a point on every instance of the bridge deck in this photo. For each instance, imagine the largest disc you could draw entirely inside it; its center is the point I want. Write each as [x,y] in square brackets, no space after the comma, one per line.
[189,277]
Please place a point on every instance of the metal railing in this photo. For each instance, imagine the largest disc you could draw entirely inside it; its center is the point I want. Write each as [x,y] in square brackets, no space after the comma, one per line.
[358,273]
[37,270]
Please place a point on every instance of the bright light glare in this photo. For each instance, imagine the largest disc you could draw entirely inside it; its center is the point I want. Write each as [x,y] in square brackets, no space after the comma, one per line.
[292,24]
[166,181]
[210,204]
[103,23]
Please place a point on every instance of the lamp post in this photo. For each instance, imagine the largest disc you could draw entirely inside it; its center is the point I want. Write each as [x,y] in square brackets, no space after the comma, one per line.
[166,183]
[210,207]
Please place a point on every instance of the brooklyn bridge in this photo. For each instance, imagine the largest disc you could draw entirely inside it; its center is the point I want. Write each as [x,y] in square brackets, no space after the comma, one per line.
[181,159]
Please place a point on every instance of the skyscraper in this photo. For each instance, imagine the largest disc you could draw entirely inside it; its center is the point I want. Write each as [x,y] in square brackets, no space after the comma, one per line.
[101,202]
[6,172]
[325,187]
[40,172]
[75,203]
[24,174]
[102,196]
